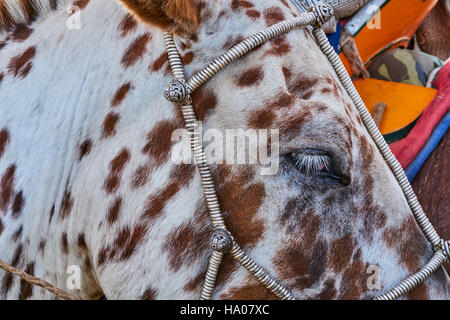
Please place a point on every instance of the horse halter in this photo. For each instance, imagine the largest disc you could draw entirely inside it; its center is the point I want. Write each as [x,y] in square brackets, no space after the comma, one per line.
[179,91]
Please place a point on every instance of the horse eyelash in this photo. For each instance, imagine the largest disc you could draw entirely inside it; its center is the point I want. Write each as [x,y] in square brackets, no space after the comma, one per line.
[311,164]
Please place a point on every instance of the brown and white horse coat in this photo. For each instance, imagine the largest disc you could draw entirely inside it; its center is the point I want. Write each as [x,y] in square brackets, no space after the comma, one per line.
[86,176]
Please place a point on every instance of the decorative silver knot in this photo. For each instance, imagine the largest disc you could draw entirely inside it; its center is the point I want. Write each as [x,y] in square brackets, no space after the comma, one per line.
[323,13]
[177,92]
[221,240]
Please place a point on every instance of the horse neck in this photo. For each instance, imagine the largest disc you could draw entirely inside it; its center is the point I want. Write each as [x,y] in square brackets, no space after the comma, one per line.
[118,60]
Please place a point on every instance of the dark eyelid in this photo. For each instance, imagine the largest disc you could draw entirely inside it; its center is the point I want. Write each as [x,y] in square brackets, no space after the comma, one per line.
[333,171]
[312,151]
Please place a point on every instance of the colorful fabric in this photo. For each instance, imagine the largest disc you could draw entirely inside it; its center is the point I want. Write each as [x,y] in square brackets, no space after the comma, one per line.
[399,65]
[438,133]
[408,148]
[427,61]
[335,37]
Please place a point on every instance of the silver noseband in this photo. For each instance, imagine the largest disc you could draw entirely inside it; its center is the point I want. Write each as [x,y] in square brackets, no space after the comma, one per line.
[179,91]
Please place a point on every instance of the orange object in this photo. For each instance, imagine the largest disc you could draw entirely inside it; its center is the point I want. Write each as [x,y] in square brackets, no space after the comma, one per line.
[404,102]
[399,20]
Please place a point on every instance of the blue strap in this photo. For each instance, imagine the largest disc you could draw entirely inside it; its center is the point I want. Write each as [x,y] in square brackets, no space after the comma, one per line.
[436,136]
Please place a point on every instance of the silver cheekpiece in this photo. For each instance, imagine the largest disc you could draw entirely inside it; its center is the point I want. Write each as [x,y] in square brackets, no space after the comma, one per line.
[323,13]
[221,240]
[176,92]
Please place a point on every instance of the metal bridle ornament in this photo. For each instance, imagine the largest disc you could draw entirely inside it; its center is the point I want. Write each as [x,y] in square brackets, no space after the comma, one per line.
[179,91]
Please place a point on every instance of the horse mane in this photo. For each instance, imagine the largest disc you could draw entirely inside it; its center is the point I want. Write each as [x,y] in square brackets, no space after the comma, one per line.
[15,12]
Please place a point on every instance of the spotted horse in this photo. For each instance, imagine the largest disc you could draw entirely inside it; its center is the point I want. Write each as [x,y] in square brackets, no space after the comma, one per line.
[87,180]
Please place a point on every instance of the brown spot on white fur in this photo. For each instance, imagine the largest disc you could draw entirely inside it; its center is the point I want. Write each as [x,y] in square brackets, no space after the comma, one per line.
[279,101]
[187,58]
[81,242]
[180,176]
[236,4]
[41,246]
[17,235]
[8,277]
[341,252]
[84,149]
[261,118]
[115,170]
[109,124]
[26,288]
[21,32]
[354,278]
[159,62]
[186,244]
[7,187]
[114,210]
[273,15]
[127,25]
[67,205]
[141,176]
[64,243]
[251,77]
[279,46]
[125,244]
[51,213]
[253,14]
[159,141]
[18,204]
[136,50]
[204,101]
[414,249]
[120,94]
[149,294]
[4,140]
[418,293]
[21,64]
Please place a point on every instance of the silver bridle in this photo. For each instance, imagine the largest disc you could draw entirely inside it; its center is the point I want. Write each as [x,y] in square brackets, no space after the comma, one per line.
[179,91]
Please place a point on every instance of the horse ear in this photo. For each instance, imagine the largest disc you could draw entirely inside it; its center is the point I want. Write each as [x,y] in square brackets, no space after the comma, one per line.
[177,16]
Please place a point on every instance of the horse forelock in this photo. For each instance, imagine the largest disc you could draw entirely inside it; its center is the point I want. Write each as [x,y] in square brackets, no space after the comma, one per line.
[17,12]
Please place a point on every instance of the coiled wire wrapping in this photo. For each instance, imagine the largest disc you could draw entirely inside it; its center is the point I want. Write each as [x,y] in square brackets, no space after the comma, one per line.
[317,16]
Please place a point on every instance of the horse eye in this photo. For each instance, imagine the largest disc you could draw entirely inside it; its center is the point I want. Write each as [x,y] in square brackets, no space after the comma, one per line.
[311,163]
[318,163]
